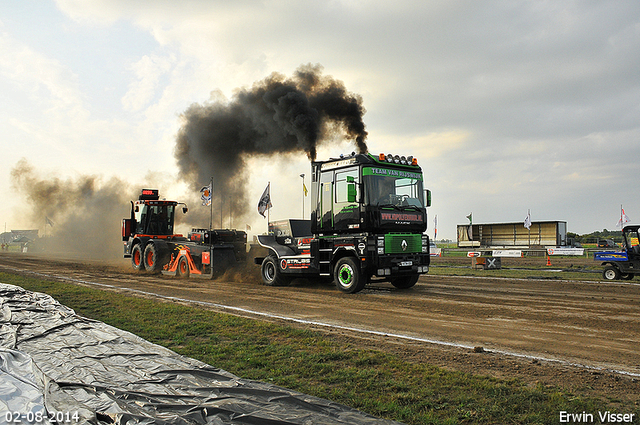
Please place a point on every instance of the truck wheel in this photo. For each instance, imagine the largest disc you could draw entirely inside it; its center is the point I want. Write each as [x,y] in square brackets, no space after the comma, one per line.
[151,258]
[183,267]
[627,276]
[348,277]
[271,274]
[136,258]
[611,273]
[405,282]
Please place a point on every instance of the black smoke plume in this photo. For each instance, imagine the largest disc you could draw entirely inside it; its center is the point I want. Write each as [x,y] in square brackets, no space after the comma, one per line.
[277,115]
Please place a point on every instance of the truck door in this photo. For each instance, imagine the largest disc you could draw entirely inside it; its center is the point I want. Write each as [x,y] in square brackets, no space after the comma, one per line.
[347,207]
[326,201]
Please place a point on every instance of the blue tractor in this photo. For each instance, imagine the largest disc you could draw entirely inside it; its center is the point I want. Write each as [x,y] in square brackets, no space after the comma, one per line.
[623,264]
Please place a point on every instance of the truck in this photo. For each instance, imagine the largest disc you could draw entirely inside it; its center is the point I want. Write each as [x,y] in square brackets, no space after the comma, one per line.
[153,245]
[624,264]
[368,218]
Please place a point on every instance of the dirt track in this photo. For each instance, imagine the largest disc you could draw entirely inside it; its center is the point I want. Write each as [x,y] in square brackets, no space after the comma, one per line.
[583,336]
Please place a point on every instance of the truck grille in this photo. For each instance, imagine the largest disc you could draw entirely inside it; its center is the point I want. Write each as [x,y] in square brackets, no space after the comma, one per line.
[393,243]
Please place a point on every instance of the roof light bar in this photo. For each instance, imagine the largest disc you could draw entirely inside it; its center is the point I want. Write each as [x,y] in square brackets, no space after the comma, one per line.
[397,159]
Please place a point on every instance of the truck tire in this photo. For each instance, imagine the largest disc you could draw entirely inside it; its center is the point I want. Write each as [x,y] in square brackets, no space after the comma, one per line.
[611,273]
[405,282]
[136,258]
[348,277]
[151,259]
[271,274]
[182,269]
[627,276]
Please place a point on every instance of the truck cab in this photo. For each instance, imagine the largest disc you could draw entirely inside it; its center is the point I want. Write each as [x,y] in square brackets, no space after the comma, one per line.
[368,220]
[364,193]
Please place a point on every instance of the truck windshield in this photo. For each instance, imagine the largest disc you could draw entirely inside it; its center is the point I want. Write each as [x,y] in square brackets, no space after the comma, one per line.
[156,219]
[388,187]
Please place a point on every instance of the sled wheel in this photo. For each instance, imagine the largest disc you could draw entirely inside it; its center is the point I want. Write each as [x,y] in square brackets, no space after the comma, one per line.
[183,267]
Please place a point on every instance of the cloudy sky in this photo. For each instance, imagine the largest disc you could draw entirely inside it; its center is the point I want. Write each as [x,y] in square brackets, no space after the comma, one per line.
[508,106]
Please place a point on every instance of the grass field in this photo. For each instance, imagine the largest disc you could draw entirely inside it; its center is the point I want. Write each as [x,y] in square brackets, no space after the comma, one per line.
[375,382]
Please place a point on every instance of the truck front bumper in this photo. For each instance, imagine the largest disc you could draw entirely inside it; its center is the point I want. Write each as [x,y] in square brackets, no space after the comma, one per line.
[402,266]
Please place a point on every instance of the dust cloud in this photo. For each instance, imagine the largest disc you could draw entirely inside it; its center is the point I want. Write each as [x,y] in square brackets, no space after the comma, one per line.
[79,216]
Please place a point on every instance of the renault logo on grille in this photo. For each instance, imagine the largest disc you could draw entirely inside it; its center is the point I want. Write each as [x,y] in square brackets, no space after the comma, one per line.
[404,245]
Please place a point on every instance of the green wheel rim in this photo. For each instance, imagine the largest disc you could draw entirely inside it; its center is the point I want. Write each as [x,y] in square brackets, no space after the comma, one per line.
[346,275]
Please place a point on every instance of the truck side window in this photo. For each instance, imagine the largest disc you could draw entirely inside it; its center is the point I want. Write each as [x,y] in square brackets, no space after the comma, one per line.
[343,180]
[325,220]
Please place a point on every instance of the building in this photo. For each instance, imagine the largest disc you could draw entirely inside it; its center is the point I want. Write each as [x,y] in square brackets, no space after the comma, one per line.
[513,235]
[18,237]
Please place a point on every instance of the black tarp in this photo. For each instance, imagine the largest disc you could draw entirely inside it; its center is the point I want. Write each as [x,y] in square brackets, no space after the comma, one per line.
[52,361]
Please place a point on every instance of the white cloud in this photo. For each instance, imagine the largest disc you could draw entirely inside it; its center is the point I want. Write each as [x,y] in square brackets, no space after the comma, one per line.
[148,71]
[41,79]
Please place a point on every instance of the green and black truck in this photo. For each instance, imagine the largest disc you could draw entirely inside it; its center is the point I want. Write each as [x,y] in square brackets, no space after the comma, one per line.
[368,218]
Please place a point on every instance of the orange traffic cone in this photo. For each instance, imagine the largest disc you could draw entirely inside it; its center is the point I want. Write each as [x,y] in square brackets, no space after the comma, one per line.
[548,260]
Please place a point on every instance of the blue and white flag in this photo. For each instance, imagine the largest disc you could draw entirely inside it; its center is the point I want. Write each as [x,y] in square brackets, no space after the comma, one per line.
[527,220]
[205,195]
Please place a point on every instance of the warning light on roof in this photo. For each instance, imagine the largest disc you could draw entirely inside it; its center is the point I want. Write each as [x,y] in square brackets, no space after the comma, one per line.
[397,159]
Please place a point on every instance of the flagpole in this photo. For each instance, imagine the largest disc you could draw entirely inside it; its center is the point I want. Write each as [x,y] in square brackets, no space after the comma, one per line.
[268,209]
[302,175]
[211,205]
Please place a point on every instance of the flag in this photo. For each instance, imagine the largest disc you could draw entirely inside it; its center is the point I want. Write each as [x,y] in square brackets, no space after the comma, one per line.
[435,227]
[205,195]
[623,218]
[265,201]
[48,221]
[470,216]
[527,220]
[304,187]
